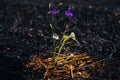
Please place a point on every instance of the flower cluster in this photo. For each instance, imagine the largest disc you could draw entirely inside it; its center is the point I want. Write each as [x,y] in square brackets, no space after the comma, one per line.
[68,12]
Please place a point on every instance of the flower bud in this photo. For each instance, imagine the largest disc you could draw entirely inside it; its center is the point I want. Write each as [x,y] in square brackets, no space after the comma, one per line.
[72,35]
[55,36]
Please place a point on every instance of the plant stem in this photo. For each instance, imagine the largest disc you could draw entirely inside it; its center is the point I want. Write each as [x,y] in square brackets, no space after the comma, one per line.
[54,49]
[60,49]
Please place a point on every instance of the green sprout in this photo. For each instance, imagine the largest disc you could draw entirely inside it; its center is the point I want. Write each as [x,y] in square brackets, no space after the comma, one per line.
[62,44]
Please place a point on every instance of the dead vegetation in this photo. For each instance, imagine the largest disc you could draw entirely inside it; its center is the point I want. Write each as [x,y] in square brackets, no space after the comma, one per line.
[81,65]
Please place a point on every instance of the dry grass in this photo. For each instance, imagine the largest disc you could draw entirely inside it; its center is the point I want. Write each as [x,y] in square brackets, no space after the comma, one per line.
[80,65]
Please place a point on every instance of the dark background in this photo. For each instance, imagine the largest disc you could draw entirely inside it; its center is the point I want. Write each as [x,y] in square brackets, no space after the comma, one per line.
[96,24]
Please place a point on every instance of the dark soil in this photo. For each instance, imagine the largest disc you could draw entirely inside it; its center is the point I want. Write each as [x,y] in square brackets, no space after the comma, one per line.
[25,31]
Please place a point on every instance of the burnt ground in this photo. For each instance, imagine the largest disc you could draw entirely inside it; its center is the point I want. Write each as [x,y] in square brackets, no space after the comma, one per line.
[24,31]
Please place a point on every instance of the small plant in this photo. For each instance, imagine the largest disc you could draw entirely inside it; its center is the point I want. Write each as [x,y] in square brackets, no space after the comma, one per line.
[75,65]
[57,49]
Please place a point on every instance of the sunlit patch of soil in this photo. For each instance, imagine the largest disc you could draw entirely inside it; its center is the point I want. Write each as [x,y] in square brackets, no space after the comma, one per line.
[81,65]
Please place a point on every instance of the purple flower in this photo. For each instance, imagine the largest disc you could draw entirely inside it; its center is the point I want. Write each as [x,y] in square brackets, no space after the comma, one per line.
[68,13]
[53,11]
